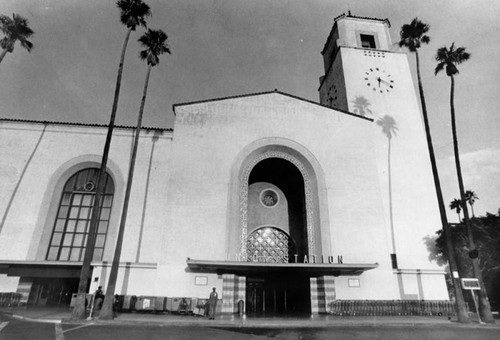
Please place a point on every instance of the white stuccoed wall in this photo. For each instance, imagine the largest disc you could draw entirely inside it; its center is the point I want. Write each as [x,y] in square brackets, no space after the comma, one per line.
[63,150]
[208,138]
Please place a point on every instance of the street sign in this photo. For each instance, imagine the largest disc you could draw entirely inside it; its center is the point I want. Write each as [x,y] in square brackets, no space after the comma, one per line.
[471,284]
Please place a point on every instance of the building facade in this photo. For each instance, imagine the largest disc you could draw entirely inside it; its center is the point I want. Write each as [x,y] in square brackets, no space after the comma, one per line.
[275,200]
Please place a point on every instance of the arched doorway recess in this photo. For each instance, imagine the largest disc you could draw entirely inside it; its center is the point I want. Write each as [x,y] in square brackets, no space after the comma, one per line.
[307,201]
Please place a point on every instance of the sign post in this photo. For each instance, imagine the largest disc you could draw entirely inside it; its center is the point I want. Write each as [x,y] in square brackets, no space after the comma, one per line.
[472,285]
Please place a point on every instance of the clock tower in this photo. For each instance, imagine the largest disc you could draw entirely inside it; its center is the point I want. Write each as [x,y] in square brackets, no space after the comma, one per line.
[365,75]
[358,51]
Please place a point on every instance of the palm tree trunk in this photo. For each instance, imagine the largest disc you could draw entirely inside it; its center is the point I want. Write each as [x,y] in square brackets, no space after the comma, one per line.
[79,309]
[484,304]
[107,308]
[2,55]
[460,307]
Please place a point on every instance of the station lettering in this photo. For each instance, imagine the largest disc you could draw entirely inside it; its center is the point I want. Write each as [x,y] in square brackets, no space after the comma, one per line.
[309,259]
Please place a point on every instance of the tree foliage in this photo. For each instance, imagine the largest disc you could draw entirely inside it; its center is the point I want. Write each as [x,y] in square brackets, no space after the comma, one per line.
[155,44]
[449,58]
[413,35]
[456,205]
[486,231]
[133,13]
[15,29]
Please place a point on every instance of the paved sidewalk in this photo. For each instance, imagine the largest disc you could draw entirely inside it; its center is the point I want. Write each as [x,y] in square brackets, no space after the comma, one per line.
[63,315]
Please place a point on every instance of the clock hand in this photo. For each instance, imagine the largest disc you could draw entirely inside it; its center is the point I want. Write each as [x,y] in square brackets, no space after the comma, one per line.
[385,82]
[379,80]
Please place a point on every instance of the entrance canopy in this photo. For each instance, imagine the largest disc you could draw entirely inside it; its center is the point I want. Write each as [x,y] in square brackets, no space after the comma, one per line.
[312,269]
[41,268]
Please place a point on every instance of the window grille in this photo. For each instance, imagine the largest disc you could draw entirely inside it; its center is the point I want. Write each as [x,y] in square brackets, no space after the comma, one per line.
[270,245]
[71,227]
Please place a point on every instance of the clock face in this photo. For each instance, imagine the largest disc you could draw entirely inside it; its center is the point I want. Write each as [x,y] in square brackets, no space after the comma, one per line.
[379,80]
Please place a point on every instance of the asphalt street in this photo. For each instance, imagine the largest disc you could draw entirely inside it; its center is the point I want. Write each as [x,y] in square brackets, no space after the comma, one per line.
[12,328]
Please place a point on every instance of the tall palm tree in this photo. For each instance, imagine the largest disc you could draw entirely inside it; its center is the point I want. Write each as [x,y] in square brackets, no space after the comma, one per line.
[155,45]
[15,29]
[389,129]
[133,13]
[471,198]
[457,205]
[447,60]
[413,35]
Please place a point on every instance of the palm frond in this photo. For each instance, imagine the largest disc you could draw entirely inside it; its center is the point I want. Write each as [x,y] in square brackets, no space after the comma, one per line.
[155,44]
[413,35]
[441,54]
[143,54]
[5,23]
[471,197]
[461,55]
[456,205]
[28,45]
[15,29]
[450,57]
[133,13]
[439,67]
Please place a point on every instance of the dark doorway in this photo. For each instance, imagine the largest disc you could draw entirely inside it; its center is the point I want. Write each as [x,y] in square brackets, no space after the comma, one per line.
[52,291]
[288,178]
[278,294]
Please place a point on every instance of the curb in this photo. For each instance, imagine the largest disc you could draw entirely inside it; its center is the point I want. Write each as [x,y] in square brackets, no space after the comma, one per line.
[20,317]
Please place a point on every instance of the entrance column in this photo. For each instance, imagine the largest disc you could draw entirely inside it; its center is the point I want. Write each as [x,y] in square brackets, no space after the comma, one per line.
[322,293]
[24,288]
[233,290]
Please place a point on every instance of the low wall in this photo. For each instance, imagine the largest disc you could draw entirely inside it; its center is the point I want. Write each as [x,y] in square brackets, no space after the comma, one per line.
[391,307]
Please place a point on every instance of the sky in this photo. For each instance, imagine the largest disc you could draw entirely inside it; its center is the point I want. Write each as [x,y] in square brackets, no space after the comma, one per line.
[223,48]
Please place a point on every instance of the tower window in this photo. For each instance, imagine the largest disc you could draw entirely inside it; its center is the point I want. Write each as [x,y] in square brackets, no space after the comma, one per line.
[367,41]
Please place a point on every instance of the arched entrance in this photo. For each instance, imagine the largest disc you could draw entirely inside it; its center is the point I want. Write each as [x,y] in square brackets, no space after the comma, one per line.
[277,227]
[281,172]
[275,183]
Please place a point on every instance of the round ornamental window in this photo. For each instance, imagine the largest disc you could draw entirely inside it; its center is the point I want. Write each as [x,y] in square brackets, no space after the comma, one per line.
[89,186]
[269,198]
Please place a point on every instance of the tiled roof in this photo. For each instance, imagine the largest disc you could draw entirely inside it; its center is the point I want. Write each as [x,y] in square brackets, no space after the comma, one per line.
[79,124]
[349,15]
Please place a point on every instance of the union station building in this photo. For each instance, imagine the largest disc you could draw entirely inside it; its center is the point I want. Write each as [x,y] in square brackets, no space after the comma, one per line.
[282,202]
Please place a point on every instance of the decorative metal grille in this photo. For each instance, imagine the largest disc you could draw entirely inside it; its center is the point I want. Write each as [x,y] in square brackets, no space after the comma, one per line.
[270,245]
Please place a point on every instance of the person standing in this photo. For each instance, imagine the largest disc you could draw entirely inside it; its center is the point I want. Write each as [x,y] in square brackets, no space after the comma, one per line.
[99,298]
[212,304]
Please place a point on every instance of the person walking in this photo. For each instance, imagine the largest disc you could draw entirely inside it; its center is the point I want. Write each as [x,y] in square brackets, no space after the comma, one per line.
[212,304]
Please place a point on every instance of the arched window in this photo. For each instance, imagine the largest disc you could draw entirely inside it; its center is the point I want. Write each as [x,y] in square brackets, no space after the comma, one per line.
[71,226]
[270,245]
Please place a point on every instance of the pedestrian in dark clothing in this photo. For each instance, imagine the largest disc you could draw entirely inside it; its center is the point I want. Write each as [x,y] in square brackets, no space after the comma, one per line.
[212,304]
[99,298]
